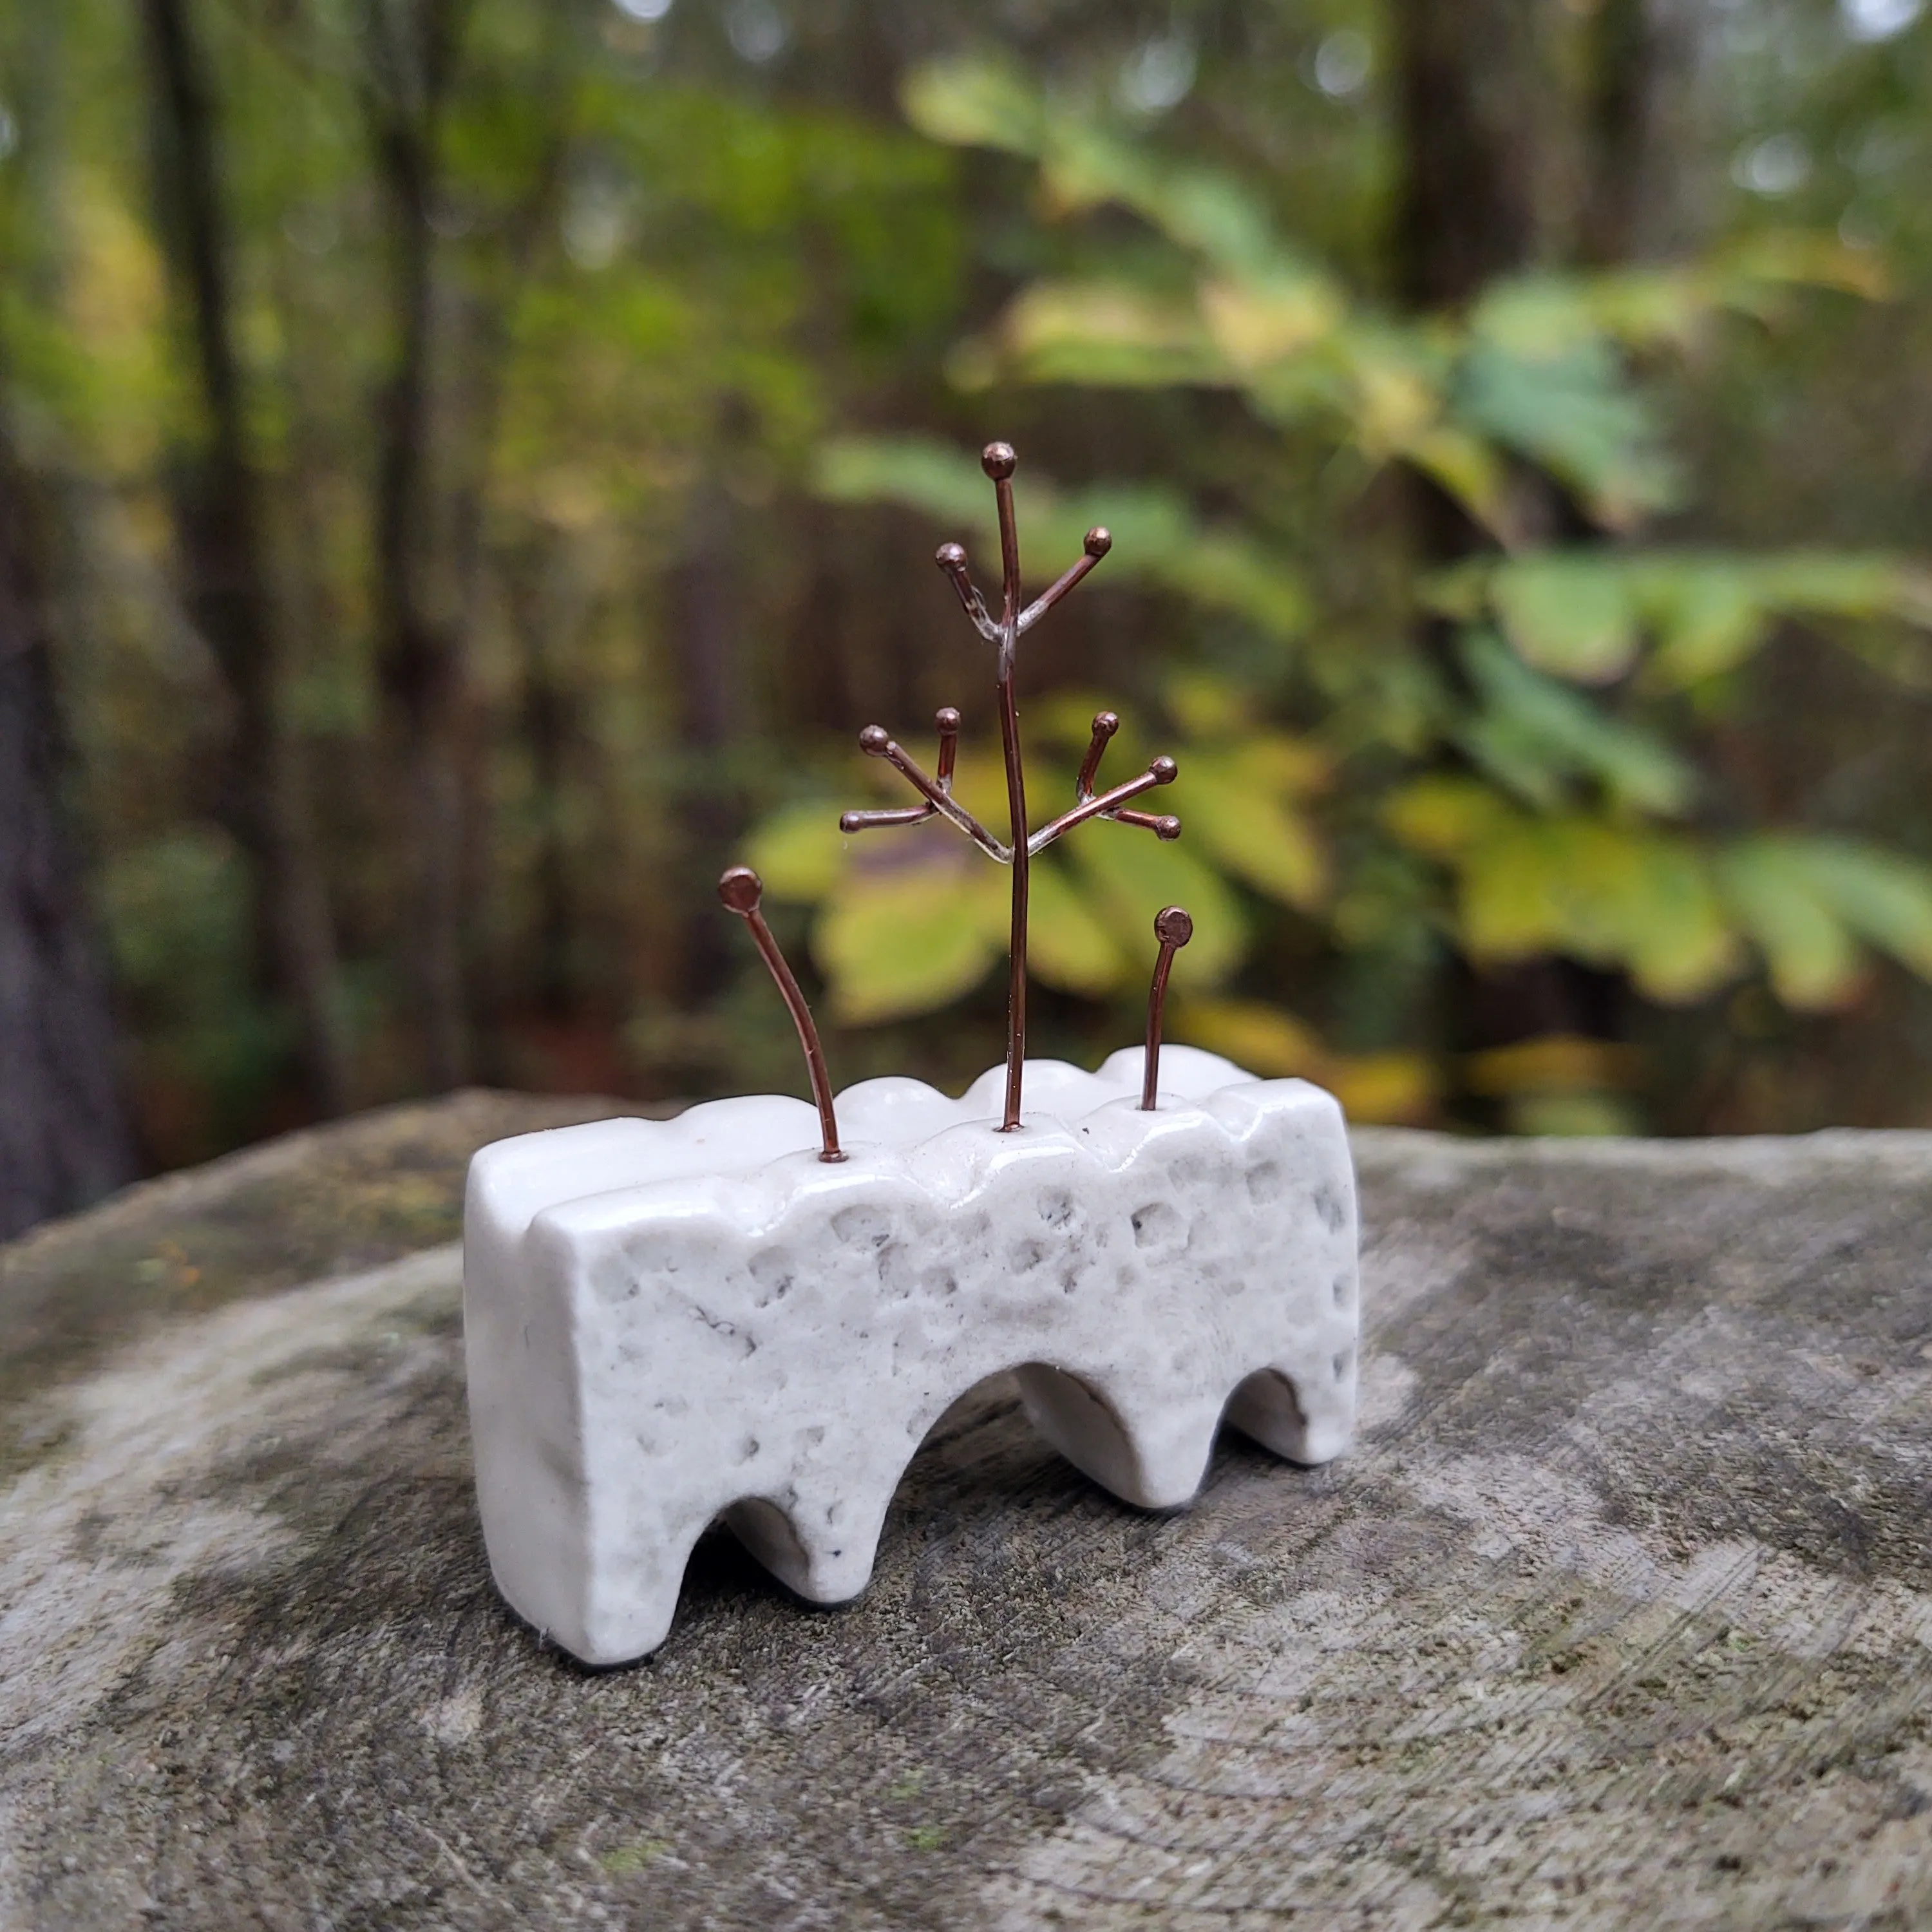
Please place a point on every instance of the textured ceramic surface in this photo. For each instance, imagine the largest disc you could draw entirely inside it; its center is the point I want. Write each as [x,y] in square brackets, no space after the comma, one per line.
[666,1322]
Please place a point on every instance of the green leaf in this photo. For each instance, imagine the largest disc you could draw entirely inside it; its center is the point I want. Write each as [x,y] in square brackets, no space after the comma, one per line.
[1680,945]
[1132,874]
[799,852]
[1533,734]
[1707,615]
[892,942]
[1883,897]
[1203,210]
[1768,883]
[1542,316]
[1845,584]
[1444,817]
[1226,804]
[1108,335]
[1068,944]
[1567,614]
[917,471]
[1576,415]
[972,103]
[1581,613]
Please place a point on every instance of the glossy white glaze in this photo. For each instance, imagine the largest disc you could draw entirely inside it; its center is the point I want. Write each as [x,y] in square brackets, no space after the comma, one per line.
[668,1321]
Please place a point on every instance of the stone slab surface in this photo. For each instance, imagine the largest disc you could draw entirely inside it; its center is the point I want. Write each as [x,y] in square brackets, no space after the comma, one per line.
[1619,1614]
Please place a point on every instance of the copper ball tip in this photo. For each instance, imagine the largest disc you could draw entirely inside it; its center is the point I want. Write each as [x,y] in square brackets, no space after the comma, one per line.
[950,556]
[998,461]
[740,888]
[1167,829]
[1165,770]
[1105,724]
[874,739]
[946,717]
[1173,926]
[1099,540]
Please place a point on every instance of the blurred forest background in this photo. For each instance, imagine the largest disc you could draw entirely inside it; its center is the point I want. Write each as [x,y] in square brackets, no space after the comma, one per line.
[468,468]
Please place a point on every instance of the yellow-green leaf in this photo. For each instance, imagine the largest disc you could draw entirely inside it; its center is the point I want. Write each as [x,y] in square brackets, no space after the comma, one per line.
[1395,1087]
[905,941]
[799,851]
[1571,615]
[1812,959]
[1132,874]
[1682,945]
[1256,323]
[1265,1040]
[969,103]
[1509,882]
[1707,615]
[1883,897]
[1443,816]
[1069,945]
[1470,470]
[1108,333]
[1608,894]
[1252,832]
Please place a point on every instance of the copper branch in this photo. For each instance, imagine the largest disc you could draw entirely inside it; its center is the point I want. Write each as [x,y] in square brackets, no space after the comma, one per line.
[877,743]
[1173,928]
[1095,545]
[1003,632]
[951,558]
[1107,805]
[1163,826]
[741,889]
[1105,724]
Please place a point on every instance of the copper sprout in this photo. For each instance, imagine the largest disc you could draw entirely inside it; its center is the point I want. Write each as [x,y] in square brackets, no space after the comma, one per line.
[741,889]
[1173,928]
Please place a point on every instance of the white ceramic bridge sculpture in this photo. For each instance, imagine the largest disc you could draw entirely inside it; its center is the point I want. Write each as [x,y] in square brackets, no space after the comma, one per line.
[739,1313]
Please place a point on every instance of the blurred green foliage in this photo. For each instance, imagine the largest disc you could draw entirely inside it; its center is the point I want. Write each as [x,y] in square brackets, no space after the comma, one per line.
[720,299]
[1546,776]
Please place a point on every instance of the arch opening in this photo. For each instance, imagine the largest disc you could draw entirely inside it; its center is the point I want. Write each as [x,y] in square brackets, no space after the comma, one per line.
[1267,1408]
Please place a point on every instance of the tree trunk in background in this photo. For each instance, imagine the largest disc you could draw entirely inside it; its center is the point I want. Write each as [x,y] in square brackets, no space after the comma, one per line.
[412,54]
[63,1134]
[432,466]
[704,646]
[1468,94]
[1468,83]
[1473,87]
[1641,61]
[1616,129]
[219,515]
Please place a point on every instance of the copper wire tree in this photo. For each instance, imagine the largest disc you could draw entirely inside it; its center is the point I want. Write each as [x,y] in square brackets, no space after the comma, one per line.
[739,888]
[1004,633]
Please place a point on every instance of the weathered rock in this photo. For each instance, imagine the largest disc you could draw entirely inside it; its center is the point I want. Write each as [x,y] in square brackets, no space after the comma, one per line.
[1620,1614]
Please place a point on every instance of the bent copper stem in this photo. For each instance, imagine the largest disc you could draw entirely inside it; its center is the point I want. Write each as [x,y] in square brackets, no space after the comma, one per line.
[1173,928]
[741,889]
